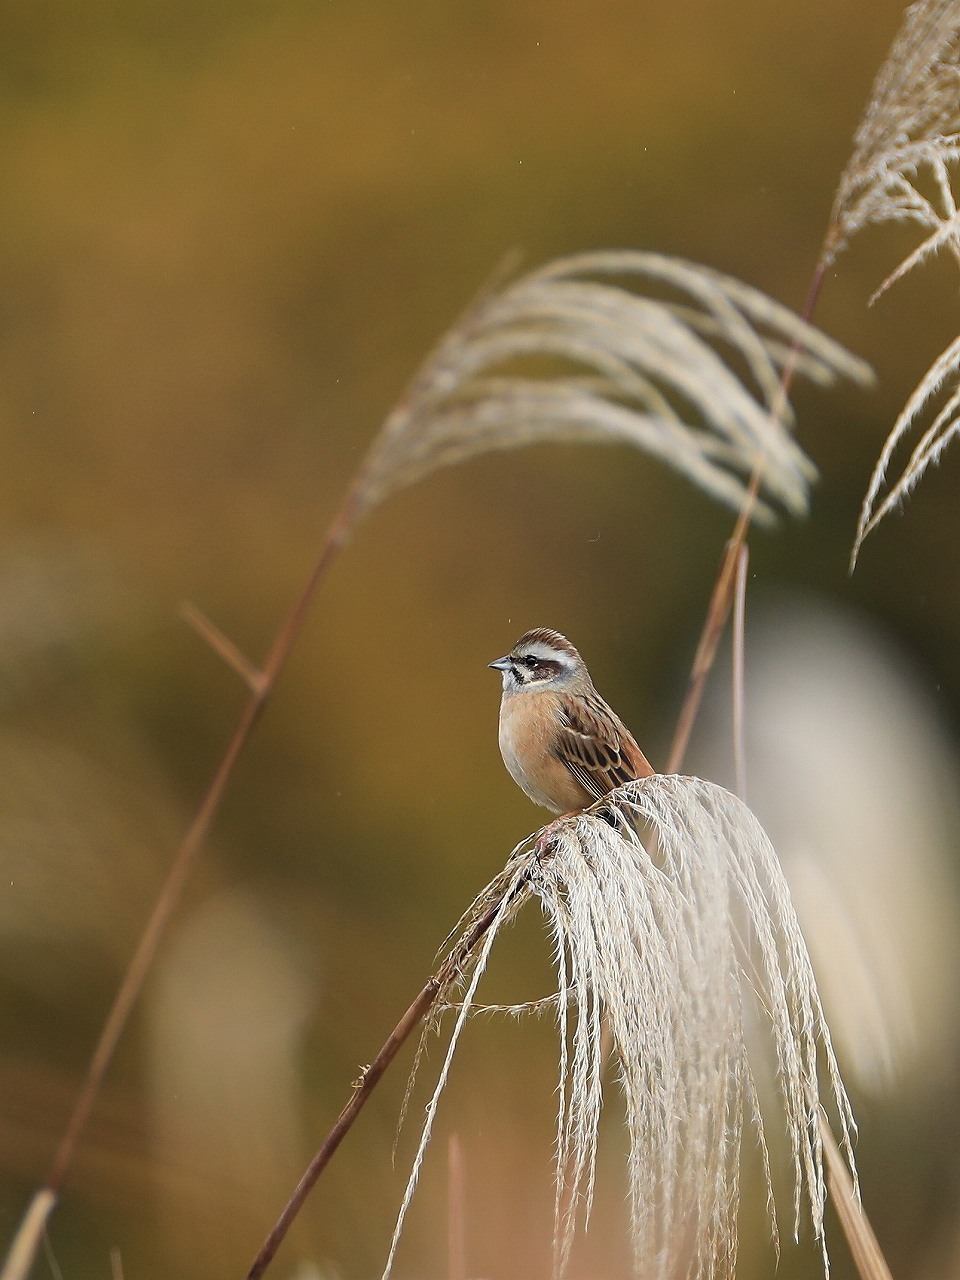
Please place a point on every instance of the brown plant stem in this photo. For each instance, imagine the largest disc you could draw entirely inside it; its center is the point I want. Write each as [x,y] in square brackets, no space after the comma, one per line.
[721,598]
[27,1239]
[362,1088]
[739,672]
[370,1078]
[717,612]
[249,673]
[867,1254]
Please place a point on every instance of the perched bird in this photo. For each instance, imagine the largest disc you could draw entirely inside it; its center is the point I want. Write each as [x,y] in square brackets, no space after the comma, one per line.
[560,741]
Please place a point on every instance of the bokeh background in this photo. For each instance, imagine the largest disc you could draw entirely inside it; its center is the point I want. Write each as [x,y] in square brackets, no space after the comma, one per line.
[230,233]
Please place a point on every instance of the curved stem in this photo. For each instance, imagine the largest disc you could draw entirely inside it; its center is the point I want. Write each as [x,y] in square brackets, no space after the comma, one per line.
[371,1076]
[721,598]
[363,1087]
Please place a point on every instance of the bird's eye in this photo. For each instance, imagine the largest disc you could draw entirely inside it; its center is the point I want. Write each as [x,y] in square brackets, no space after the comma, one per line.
[531,662]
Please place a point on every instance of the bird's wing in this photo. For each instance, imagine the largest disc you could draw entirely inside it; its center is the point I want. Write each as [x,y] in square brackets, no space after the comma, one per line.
[596,747]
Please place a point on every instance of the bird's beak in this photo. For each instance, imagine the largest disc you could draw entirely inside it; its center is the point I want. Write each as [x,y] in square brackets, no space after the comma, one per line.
[502,664]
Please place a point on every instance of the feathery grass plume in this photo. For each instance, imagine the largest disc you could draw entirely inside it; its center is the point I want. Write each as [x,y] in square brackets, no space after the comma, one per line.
[672,924]
[905,149]
[945,426]
[567,354]
[907,140]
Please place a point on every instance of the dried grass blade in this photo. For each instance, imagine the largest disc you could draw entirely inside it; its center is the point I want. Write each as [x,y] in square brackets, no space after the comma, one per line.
[867,1254]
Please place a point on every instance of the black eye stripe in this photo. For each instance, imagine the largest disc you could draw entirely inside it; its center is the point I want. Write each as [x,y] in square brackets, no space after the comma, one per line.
[531,665]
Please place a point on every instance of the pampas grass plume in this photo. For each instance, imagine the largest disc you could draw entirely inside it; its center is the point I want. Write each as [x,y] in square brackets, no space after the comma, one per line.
[673,927]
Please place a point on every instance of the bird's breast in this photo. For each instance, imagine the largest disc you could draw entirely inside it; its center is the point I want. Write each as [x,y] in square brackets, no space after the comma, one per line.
[528,729]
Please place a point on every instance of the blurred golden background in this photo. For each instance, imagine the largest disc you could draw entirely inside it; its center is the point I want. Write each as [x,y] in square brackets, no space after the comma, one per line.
[231,232]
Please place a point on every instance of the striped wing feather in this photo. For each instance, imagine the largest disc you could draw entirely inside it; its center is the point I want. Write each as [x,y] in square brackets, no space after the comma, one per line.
[597,747]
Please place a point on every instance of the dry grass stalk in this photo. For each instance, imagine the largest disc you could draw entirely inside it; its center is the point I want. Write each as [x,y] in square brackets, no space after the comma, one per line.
[673,926]
[738,683]
[489,911]
[867,1256]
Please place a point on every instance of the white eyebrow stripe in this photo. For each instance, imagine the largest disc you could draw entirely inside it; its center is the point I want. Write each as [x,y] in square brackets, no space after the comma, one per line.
[546,653]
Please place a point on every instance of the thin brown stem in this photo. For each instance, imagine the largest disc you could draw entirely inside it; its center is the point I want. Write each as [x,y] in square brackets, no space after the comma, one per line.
[370,1078]
[24,1246]
[721,598]
[362,1089]
[739,658]
[187,853]
[249,672]
[867,1254]
[716,620]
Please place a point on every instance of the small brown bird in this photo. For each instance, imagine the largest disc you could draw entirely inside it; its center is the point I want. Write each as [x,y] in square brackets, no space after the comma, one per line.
[560,741]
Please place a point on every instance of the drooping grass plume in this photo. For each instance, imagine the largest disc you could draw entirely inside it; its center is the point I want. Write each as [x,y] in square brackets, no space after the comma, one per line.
[568,353]
[908,139]
[672,925]
[906,149]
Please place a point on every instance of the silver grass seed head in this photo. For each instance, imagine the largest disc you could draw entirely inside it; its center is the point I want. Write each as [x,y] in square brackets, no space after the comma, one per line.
[672,927]
[694,381]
